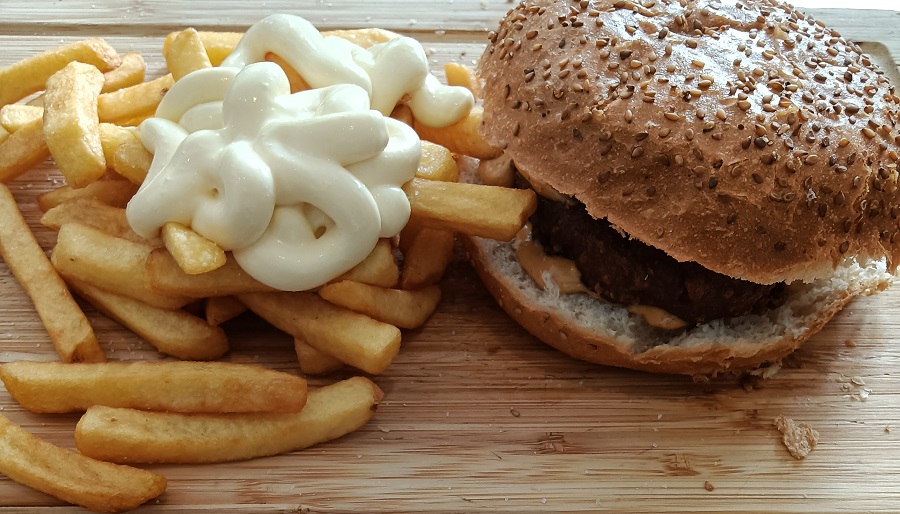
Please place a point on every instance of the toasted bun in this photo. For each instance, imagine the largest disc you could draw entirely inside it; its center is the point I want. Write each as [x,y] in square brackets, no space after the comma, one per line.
[604,333]
[749,139]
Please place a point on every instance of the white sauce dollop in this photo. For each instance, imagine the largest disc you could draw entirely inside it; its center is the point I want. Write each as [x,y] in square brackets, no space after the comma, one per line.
[301,186]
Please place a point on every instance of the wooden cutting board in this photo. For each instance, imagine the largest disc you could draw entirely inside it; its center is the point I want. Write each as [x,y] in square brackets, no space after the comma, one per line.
[479,416]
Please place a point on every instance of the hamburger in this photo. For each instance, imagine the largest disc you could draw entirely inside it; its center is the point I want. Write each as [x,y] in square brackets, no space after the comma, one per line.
[719,176]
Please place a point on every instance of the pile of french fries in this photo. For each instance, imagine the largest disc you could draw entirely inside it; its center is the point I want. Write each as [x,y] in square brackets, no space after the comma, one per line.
[79,104]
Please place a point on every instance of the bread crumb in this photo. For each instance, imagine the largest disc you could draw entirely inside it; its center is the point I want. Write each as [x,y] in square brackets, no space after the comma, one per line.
[887,429]
[708,486]
[798,438]
[850,343]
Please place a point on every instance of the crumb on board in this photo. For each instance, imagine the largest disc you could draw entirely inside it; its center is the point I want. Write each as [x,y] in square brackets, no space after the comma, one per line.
[798,438]
[850,343]
[709,486]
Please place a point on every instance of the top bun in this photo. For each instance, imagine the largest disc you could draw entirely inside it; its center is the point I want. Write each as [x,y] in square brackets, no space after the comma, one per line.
[742,135]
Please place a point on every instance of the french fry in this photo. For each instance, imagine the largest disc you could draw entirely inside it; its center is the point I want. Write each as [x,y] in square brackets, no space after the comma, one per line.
[483,211]
[220,309]
[405,309]
[204,387]
[218,45]
[23,150]
[193,253]
[165,277]
[132,161]
[113,136]
[65,322]
[127,74]
[3,134]
[185,54]
[378,269]
[426,255]
[109,263]
[463,76]
[403,113]
[30,75]
[71,126]
[125,435]
[135,120]
[92,213]
[172,332]
[115,193]
[315,362]
[354,338]
[437,163]
[72,477]
[363,37]
[461,137]
[428,251]
[14,117]
[133,101]
[296,81]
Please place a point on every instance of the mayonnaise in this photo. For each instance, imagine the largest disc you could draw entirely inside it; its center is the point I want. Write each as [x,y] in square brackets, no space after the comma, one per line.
[301,186]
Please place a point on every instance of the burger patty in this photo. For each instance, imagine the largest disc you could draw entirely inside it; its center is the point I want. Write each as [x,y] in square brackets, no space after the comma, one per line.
[627,271]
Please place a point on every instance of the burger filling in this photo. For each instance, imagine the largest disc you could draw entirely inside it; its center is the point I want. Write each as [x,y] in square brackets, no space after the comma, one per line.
[627,271]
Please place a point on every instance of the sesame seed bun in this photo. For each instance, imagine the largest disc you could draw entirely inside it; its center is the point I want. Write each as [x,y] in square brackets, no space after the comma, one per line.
[751,140]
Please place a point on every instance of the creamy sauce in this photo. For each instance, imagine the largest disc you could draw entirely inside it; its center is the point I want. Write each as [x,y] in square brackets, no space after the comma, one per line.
[539,265]
[658,318]
[386,71]
[300,186]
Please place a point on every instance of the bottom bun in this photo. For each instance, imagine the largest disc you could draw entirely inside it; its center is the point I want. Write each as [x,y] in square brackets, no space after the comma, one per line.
[605,333]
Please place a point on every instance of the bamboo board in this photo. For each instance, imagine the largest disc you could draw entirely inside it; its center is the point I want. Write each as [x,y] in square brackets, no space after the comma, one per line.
[479,416]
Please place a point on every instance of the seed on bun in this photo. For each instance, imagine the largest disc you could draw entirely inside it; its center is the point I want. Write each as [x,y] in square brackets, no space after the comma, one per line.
[741,140]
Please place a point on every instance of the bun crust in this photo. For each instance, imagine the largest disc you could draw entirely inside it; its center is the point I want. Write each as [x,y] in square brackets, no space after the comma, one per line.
[749,139]
[603,333]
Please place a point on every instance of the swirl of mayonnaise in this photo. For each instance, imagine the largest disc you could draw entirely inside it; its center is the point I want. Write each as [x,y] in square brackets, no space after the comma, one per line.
[300,186]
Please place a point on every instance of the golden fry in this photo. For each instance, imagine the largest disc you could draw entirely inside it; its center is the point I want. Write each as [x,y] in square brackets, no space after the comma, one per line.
[194,253]
[314,362]
[166,277]
[65,322]
[483,211]
[29,75]
[72,477]
[109,263]
[172,332]
[205,387]
[218,45]
[437,163]
[185,54]
[426,254]
[294,78]
[92,213]
[133,101]
[463,76]
[220,309]
[127,74]
[23,150]
[403,113]
[71,126]
[353,338]
[3,134]
[14,117]
[115,193]
[113,136]
[461,137]
[132,161]
[405,309]
[125,435]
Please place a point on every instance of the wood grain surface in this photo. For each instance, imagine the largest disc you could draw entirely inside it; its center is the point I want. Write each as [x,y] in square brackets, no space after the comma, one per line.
[479,416]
